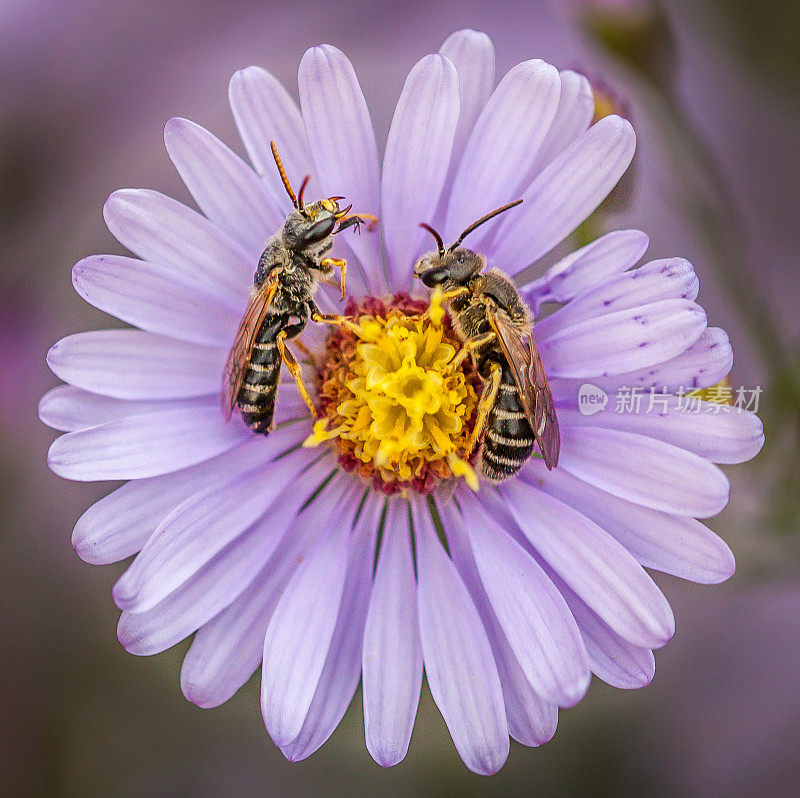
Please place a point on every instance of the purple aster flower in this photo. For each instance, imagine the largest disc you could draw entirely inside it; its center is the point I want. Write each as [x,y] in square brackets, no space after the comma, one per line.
[326,563]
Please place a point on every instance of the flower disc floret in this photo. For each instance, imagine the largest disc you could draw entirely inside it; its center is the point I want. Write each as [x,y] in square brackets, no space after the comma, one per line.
[401,416]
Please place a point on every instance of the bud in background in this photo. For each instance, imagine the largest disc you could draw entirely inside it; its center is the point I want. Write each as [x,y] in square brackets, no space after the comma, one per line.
[636,32]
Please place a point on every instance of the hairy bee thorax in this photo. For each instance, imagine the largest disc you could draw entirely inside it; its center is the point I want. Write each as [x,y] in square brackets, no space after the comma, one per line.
[494,286]
[493,289]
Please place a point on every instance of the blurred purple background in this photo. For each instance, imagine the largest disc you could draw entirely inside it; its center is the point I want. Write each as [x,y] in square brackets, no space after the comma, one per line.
[85,89]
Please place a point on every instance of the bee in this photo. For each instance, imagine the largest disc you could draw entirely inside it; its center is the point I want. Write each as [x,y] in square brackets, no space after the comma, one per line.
[282,302]
[516,408]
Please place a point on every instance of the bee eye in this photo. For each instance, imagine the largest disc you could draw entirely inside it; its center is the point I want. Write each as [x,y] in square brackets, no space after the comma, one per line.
[434,276]
[317,232]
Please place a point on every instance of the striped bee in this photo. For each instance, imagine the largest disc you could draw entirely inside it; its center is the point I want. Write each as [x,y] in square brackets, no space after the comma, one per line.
[282,302]
[516,409]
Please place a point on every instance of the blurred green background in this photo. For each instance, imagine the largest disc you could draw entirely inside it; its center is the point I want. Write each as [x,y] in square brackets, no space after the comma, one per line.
[85,88]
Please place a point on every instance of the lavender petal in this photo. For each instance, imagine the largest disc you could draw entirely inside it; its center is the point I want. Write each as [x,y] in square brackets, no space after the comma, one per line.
[594,565]
[498,159]
[706,362]
[612,658]
[120,523]
[532,613]
[345,153]
[149,629]
[131,364]
[146,445]
[670,278]
[644,471]
[181,241]
[204,524]
[671,543]
[226,189]
[472,54]
[300,632]
[227,650]
[342,668]
[456,652]
[565,193]
[531,720]
[631,339]
[143,295]
[716,432]
[573,117]
[392,656]
[264,111]
[416,160]
[587,267]
[68,409]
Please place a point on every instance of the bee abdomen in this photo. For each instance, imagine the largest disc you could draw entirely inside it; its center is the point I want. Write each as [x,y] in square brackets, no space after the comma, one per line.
[508,439]
[256,399]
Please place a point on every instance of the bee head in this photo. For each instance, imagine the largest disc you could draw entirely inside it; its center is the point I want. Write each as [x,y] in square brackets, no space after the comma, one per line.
[309,225]
[456,264]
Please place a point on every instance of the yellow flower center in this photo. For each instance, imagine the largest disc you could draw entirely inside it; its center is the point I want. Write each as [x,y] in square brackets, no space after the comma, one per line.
[401,416]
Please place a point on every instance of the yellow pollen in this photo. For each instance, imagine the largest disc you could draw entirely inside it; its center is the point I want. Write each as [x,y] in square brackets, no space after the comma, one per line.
[721,393]
[388,399]
[604,104]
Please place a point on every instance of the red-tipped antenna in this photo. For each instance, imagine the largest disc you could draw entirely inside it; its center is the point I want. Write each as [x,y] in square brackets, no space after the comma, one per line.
[301,192]
[439,242]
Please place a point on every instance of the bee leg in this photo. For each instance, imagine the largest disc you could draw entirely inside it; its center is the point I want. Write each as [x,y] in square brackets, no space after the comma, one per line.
[454,293]
[341,263]
[294,370]
[336,321]
[357,219]
[306,351]
[490,390]
[468,347]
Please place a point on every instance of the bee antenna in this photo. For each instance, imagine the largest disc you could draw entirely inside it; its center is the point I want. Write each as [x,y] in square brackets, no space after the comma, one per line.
[484,219]
[439,242]
[301,192]
[286,184]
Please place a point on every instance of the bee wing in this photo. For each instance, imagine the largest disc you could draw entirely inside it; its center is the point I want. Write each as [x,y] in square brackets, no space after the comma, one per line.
[534,390]
[239,356]
[518,357]
[546,428]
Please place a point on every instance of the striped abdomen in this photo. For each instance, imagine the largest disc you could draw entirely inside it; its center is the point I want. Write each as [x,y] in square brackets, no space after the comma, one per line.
[256,399]
[508,438]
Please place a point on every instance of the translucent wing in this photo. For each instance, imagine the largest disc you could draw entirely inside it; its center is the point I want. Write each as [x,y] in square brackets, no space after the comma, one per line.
[239,356]
[546,422]
[518,357]
[534,390]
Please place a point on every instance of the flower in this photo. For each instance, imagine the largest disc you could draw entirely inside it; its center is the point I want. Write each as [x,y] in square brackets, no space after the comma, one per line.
[327,563]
